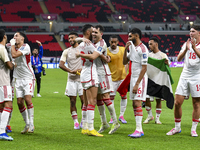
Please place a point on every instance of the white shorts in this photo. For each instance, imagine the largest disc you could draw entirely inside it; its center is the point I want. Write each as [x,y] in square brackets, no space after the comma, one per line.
[73,88]
[5,93]
[116,85]
[105,84]
[24,87]
[87,85]
[142,89]
[186,86]
[152,98]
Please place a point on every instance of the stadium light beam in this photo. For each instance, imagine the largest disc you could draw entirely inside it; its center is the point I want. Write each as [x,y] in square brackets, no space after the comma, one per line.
[187,18]
[120,17]
[49,17]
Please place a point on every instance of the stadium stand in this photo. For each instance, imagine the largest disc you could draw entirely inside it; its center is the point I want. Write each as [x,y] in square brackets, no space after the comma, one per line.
[81,11]
[189,7]
[19,10]
[147,11]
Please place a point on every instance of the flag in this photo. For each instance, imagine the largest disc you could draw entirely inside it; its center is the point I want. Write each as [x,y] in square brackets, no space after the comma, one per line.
[160,80]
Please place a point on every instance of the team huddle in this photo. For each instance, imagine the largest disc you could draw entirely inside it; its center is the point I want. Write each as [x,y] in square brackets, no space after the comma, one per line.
[95,72]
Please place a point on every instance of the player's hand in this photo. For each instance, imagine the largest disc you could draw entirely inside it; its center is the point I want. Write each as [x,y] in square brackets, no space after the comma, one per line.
[108,59]
[135,88]
[193,42]
[127,45]
[86,41]
[77,54]
[12,41]
[39,42]
[166,62]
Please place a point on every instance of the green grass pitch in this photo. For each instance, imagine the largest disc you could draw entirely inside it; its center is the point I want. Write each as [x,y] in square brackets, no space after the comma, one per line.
[54,125]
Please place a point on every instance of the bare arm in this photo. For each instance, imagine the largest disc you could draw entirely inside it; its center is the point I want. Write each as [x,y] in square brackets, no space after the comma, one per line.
[63,67]
[125,58]
[88,56]
[105,59]
[15,53]
[126,68]
[142,72]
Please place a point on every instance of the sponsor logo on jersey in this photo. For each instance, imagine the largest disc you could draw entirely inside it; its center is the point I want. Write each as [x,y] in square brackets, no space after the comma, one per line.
[144,56]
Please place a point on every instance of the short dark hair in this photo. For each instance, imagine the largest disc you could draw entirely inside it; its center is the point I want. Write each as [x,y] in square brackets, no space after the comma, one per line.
[23,35]
[114,36]
[86,27]
[136,31]
[155,39]
[100,27]
[73,33]
[196,27]
[2,33]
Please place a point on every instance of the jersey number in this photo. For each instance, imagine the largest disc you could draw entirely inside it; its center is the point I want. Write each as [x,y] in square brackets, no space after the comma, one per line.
[198,87]
[103,84]
[192,55]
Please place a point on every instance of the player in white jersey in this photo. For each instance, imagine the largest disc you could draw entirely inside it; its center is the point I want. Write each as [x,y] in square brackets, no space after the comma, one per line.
[89,80]
[74,67]
[138,84]
[189,81]
[105,80]
[157,54]
[5,88]
[24,79]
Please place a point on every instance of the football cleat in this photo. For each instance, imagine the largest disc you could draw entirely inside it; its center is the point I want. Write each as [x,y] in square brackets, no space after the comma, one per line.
[149,118]
[5,137]
[121,118]
[76,126]
[31,129]
[173,131]
[114,128]
[136,134]
[38,95]
[8,129]
[103,127]
[157,121]
[94,133]
[25,129]
[194,134]
[84,131]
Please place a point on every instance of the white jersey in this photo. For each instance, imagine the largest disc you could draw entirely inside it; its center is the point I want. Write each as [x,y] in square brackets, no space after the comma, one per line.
[102,67]
[89,71]
[139,56]
[74,63]
[159,55]
[24,69]
[191,68]
[4,71]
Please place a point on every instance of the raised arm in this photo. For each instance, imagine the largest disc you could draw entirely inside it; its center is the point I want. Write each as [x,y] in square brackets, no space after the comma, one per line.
[125,58]
[14,53]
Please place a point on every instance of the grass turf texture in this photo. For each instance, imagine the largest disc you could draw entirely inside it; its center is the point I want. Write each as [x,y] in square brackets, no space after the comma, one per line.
[54,125]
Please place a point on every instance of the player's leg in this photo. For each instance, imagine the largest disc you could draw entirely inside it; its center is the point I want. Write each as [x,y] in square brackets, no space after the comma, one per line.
[73,111]
[28,92]
[158,110]
[123,104]
[91,94]
[177,114]
[38,80]
[80,93]
[182,90]
[137,101]
[149,111]
[84,114]
[6,102]
[112,96]
[101,108]
[195,115]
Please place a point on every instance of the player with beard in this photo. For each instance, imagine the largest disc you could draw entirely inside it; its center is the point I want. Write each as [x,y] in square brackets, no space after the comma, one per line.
[24,79]
[105,80]
[74,67]
[138,84]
